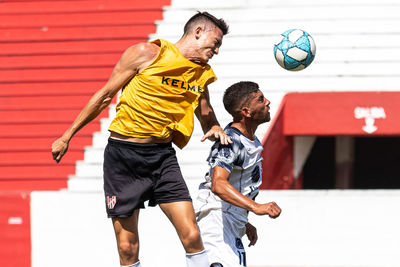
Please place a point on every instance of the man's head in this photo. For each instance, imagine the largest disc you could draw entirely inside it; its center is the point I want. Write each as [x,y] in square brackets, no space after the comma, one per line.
[245,100]
[207,19]
[205,33]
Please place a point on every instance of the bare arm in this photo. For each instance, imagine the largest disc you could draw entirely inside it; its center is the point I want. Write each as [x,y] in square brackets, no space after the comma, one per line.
[222,188]
[132,61]
[209,123]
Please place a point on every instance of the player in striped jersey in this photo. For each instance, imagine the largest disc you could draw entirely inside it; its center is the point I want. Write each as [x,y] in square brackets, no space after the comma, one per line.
[232,183]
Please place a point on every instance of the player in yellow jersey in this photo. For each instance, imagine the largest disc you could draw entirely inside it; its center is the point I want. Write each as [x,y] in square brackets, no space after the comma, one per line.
[163,84]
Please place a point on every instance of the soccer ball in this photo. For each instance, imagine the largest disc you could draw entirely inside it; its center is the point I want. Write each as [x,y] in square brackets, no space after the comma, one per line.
[295,50]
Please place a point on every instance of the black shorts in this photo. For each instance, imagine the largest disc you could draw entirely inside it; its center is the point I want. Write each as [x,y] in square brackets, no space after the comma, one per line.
[136,172]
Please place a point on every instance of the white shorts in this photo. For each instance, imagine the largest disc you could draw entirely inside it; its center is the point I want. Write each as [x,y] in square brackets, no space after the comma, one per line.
[222,243]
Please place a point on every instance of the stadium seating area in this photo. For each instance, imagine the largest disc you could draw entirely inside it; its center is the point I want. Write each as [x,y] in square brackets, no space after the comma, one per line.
[356,51]
[54,55]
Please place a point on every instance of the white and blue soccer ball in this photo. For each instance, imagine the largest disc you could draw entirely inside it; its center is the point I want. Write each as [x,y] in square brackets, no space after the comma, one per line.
[295,50]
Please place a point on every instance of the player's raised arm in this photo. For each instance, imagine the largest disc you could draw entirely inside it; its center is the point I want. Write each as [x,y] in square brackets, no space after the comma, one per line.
[133,60]
[209,123]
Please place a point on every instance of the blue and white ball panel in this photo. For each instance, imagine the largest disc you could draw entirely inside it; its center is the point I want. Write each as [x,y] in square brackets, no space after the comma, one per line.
[295,50]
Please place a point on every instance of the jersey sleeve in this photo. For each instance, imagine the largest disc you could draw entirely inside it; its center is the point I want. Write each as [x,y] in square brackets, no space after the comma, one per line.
[224,156]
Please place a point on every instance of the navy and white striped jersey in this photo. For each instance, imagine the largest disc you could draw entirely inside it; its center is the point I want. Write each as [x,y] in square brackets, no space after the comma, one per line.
[243,160]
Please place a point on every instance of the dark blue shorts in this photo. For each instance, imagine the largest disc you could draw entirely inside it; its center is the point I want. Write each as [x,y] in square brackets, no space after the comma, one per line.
[136,172]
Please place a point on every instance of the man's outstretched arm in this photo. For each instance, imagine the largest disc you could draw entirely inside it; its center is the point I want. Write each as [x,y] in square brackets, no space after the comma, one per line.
[132,61]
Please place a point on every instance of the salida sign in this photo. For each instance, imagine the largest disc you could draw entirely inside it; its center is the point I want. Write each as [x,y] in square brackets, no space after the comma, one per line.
[341,113]
[369,114]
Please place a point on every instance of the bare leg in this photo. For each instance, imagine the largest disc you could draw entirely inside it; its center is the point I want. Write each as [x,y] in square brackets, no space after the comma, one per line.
[182,216]
[126,232]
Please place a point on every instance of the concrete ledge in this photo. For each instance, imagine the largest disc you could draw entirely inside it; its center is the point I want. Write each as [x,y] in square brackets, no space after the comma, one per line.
[329,228]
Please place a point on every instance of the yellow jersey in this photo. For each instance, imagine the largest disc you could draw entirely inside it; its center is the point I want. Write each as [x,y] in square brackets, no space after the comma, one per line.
[161,99]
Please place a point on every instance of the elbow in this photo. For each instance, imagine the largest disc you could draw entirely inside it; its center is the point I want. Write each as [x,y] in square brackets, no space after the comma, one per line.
[106,102]
[103,100]
[216,188]
[213,189]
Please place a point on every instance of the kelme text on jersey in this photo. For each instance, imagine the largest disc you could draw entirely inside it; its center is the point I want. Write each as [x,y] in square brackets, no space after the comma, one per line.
[181,84]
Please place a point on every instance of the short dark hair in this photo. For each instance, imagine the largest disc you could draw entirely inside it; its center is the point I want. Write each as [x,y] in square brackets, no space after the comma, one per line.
[205,17]
[238,96]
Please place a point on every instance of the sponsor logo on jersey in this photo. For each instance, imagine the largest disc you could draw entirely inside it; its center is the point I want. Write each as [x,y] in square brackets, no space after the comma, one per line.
[181,84]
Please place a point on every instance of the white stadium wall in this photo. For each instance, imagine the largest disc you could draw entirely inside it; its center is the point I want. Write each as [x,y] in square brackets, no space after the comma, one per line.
[357,50]
[317,228]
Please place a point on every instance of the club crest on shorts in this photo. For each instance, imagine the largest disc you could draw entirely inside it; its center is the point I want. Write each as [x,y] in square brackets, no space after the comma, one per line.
[111,201]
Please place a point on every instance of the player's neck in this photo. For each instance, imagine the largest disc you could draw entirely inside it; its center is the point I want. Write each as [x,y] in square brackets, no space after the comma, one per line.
[246,129]
[187,48]
[184,47]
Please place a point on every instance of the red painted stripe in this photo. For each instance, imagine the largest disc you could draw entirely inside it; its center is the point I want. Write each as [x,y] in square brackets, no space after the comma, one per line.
[80,19]
[42,172]
[42,116]
[24,158]
[68,47]
[76,33]
[44,102]
[60,61]
[15,245]
[12,144]
[56,75]
[50,88]
[39,7]
[32,184]
[44,129]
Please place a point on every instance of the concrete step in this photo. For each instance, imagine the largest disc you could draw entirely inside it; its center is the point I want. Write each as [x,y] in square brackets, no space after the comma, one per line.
[265,41]
[342,26]
[85,184]
[302,82]
[324,55]
[280,13]
[290,5]
[317,68]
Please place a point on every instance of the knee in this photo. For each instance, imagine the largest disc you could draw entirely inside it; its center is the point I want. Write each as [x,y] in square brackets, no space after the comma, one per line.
[191,240]
[128,251]
[193,236]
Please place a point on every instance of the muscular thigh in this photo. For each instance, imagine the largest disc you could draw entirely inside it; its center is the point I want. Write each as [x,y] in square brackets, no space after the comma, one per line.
[181,214]
[126,229]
